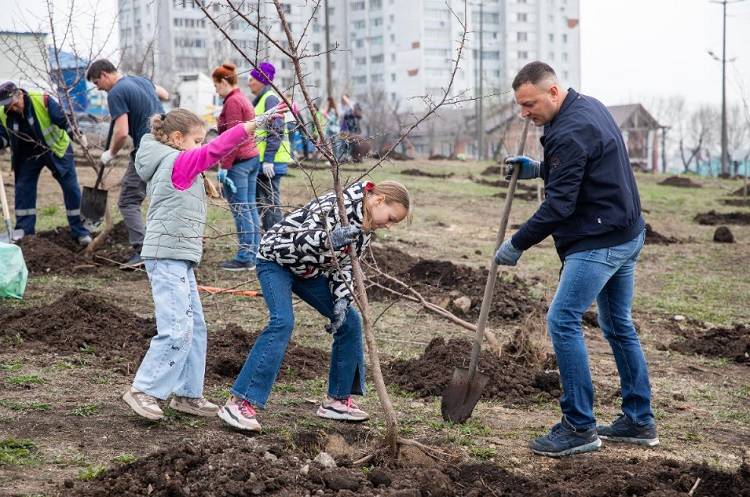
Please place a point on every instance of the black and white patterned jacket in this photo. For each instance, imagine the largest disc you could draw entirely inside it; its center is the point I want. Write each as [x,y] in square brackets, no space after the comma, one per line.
[300,240]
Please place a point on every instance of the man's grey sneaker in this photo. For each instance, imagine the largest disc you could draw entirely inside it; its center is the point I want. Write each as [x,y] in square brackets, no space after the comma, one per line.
[342,410]
[84,240]
[564,440]
[195,406]
[143,404]
[133,263]
[237,266]
[240,414]
[624,430]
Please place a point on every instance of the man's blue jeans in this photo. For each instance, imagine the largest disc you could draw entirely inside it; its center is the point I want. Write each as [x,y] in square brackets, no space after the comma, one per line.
[347,369]
[269,199]
[176,359]
[606,275]
[244,209]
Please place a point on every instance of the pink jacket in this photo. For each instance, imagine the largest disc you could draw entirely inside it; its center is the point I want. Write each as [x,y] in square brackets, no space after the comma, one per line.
[236,109]
[190,163]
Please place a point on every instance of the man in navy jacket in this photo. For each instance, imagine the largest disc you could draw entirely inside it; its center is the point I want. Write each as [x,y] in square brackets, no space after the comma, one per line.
[593,212]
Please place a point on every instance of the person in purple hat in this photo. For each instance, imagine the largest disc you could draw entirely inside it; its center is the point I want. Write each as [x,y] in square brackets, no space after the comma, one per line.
[273,146]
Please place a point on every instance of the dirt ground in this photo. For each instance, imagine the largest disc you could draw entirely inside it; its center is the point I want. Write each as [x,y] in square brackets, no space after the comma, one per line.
[69,350]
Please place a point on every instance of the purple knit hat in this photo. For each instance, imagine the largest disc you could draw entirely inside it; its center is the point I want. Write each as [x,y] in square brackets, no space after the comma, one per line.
[264,72]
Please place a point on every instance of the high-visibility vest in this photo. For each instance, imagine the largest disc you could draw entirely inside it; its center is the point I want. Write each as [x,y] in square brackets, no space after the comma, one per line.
[56,139]
[283,154]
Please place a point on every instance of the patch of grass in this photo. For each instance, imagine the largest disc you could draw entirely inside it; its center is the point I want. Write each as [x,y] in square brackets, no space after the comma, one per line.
[11,367]
[85,410]
[25,380]
[48,210]
[741,416]
[692,437]
[483,453]
[87,349]
[25,406]
[183,419]
[90,472]
[285,388]
[15,452]
[125,458]
[220,393]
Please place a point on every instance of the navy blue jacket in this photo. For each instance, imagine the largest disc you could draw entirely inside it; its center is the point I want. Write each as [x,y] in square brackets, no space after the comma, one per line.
[56,115]
[591,197]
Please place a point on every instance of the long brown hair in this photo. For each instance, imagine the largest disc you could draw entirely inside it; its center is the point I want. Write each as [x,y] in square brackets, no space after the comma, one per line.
[393,192]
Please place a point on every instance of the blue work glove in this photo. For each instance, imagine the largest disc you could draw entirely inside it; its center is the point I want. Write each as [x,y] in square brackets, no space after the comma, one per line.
[226,180]
[339,315]
[343,236]
[530,168]
[507,254]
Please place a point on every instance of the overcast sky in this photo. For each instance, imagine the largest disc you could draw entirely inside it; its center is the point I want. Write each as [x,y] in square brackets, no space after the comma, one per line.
[631,49]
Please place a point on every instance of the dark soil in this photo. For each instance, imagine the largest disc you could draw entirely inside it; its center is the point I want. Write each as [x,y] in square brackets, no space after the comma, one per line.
[425,174]
[428,375]
[731,343]
[83,322]
[522,195]
[736,202]
[655,238]
[740,192]
[438,157]
[493,170]
[442,281]
[502,183]
[680,181]
[723,235]
[249,467]
[712,218]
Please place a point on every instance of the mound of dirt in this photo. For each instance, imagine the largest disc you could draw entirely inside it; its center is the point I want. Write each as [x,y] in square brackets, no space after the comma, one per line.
[712,218]
[493,170]
[736,202]
[228,349]
[425,174]
[212,468]
[680,181]
[428,375]
[731,343]
[723,235]
[740,192]
[44,256]
[83,322]
[502,183]
[521,195]
[442,281]
[655,238]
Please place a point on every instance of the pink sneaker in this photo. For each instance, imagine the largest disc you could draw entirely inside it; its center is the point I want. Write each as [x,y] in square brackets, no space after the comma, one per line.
[342,410]
[240,414]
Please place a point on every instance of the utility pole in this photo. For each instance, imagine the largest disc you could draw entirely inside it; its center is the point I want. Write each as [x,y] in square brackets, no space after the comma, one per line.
[480,116]
[329,82]
[724,151]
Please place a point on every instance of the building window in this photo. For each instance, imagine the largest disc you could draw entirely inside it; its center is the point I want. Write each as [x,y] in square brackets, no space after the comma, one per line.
[393,77]
[359,43]
[378,21]
[376,40]
[565,57]
[358,24]
[522,17]
[521,36]
[565,75]
[358,5]
[551,38]
[393,38]
[523,54]
[376,78]
[360,61]
[565,38]
[377,59]
[393,57]
[376,4]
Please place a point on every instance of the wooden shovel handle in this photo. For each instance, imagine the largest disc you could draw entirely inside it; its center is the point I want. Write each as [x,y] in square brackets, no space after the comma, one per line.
[489,288]
[4,200]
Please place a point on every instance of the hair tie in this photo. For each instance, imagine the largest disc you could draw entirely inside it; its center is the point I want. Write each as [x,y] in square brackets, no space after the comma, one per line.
[369,186]
[163,116]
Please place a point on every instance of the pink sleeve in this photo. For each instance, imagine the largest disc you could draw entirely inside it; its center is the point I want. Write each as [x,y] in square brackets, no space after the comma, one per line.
[191,163]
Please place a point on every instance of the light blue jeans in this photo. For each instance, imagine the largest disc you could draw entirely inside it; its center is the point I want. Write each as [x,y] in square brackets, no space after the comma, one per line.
[607,275]
[176,359]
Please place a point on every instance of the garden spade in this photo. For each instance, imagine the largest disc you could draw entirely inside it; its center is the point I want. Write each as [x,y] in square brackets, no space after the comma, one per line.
[8,235]
[465,388]
[94,200]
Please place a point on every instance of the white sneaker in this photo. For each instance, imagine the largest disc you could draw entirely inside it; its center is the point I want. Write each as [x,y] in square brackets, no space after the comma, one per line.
[143,404]
[84,240]
[341,410]
[240,414]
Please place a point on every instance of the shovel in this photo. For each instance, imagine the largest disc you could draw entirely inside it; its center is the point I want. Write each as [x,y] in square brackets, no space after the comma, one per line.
[9,235]
[465,388]
[94,200]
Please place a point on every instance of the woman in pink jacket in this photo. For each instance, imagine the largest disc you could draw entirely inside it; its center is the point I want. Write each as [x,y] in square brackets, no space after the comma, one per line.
[238,171]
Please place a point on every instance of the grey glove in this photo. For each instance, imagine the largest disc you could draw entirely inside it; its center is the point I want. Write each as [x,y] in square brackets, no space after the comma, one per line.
[507,254]
[268,169]
[343,236]
[339,315]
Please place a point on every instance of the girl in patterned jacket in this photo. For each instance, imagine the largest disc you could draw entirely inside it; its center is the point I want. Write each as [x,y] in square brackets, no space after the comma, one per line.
[309,254]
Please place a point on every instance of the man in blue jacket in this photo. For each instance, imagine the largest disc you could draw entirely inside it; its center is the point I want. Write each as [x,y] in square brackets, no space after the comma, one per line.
[593,212]
[36,129]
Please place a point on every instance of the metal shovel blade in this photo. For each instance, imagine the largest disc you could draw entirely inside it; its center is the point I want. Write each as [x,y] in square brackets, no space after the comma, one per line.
[461,395]
[11,237]
[93,206]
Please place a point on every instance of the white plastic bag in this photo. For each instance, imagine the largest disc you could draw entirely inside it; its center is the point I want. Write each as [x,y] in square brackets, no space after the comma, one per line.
[13,272]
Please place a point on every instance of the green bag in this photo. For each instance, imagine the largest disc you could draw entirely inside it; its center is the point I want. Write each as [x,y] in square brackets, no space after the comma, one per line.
[13,272]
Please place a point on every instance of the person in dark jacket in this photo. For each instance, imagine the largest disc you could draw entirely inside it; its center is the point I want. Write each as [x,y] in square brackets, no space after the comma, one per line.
[593,212]
[35,127]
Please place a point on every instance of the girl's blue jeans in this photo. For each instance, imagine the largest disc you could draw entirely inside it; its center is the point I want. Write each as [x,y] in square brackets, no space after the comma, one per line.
[176,359]
[347,368]
[606,275]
